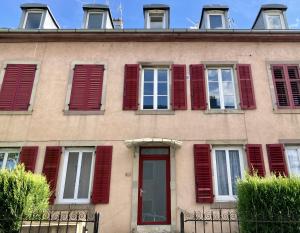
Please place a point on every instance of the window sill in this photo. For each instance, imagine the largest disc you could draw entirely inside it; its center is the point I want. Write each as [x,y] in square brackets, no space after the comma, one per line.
[223,111]
[155,112]
[286,111]
[72,112]
[224,205]
[29,112]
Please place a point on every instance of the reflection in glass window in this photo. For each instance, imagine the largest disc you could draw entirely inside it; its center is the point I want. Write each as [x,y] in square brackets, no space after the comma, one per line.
[274,22]
[9,159]
[216,22]
[155,88]
[95,20]
[33,20]
[221,88]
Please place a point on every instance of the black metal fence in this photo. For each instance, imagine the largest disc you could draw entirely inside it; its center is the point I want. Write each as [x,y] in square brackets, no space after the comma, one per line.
[228,221]
[56,221]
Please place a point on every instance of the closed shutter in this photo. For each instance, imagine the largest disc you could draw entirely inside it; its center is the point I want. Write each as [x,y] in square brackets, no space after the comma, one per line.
[51,167]
[276,157]
[294,80]
[198,93]
[280,86]
[28,157]
[87,87]
[203,173]
[247,98]
[179,87]
[131,87]
[16,87]
[255,159]
[101,184]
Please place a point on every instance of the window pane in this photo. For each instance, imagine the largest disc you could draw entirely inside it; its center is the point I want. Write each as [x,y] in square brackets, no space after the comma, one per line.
[215,21]
[155,151]
[148,75]
[156,20]
[274,22]
[162,89]
[85,172]
[162,102]
[162,75]
[148,102]
[226,75]
[228,88]
[148,88]
[33,20]
[235,169]
[222,175]
[12,160]
[95,21]
[71,175]
[212,75]
[294,161]
[229,101]
[214,95]
[1,159]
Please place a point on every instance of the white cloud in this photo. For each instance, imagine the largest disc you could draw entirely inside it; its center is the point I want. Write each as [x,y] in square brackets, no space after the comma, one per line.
[296,24]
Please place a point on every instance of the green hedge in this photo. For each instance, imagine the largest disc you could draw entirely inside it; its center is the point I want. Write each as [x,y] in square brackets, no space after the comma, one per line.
[21,194]
[272,198]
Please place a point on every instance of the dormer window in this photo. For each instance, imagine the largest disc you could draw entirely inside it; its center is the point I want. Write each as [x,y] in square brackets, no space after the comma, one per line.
[274,21]
[95,20]
[156,19]
[33,20]
[215,21]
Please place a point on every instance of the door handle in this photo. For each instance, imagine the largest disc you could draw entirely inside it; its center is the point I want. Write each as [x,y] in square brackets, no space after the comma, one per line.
[141,192]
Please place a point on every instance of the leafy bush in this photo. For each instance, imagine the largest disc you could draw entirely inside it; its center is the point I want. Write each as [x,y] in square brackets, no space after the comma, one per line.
[275,199]
[21,194]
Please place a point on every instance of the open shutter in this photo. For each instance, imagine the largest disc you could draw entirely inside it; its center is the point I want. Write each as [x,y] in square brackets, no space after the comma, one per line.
[255,159]
[131,87]
[101,184]
[28,157]
[280,84]
[17,86]
[50,168]
[276,157]
[198,93]
[203,173]
[87,87]
[179,87]
[247,97]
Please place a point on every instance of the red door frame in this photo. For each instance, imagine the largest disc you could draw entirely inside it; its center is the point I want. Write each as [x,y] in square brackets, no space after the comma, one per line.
[168,188]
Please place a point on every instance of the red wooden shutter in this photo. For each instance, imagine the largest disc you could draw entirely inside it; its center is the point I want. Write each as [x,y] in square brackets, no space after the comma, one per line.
[16,87]
[179,87]
[50,168]
[28,157]
[203,173]
[281,91]
[277,159]
[294,80]
[198,93]
[87,87]
[101,184]
[255,159]
[247,97]
[131,87]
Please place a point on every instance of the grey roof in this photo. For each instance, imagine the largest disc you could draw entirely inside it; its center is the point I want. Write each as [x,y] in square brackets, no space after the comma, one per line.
[269,7]
[39,6]
[212,7]
[156,6]
[95,6]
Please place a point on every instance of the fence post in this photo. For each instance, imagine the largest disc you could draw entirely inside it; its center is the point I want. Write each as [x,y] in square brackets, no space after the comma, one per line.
[181,222]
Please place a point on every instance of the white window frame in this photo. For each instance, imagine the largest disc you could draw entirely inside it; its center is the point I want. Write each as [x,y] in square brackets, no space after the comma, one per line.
[88,19]
[33,11]
[6,151]
[287,157]
[274,13]
[155,83]
[208,20]
[61,199]
[156,12]
[222,105]
[230,197]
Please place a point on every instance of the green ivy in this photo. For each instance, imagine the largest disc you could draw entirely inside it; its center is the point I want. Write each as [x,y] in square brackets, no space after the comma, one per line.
[22,194]
[275,199]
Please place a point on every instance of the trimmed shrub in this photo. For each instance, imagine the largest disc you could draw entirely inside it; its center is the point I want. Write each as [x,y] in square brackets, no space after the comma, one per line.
[22,194]
[274,199]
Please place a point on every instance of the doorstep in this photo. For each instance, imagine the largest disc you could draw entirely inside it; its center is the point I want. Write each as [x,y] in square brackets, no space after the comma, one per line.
[154,229]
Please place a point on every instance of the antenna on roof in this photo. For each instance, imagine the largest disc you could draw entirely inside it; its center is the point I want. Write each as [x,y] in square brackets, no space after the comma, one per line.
[231,23]
[194,24]
[120,9]
[107,2]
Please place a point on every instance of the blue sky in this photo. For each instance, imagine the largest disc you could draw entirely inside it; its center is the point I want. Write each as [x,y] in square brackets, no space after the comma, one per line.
[69,13]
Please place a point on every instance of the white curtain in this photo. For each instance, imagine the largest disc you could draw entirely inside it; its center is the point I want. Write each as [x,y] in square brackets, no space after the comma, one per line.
[235,169]
[294,161]
[222,175]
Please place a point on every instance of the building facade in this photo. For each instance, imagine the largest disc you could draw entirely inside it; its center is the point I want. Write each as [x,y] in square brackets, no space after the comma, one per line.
[142,124]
